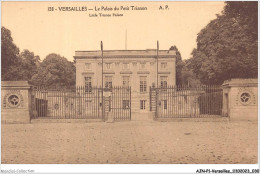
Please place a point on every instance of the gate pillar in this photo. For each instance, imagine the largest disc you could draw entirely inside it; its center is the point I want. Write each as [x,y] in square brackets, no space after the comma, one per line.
[240,99]
[16,101]
[107,100]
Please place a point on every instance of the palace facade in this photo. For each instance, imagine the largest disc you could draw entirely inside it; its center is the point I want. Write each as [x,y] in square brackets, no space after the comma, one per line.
[139,69]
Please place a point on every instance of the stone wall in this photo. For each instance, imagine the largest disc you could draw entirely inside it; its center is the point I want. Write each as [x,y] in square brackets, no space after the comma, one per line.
[16,103]
[240,99]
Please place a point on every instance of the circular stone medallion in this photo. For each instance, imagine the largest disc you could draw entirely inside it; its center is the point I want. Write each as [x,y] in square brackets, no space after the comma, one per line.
[13,100]
[245,97]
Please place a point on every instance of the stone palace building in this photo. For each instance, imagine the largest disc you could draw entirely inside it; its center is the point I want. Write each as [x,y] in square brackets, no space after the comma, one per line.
[139,69]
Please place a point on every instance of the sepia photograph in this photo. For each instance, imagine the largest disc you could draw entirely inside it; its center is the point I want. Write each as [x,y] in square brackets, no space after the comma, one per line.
[129,82]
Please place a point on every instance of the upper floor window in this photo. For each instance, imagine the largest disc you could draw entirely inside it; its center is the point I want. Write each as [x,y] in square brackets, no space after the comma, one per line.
[108,65]
[126,80]
[108,83]
[163,81]
[87,66]
[88,84]
[142,65]
[163,65]
[125,65]
[143,84]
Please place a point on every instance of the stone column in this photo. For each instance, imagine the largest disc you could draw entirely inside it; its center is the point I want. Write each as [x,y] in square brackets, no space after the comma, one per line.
[240,99]
[16,101]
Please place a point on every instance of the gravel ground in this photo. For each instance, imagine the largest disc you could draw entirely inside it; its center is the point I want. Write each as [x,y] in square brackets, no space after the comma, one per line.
[133,142]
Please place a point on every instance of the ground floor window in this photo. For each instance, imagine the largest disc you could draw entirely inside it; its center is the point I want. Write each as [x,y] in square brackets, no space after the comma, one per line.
[165,104]
[126,104]
[142,104]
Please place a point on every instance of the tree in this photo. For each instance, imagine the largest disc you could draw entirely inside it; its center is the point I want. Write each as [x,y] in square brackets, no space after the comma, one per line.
[29,64]
[179,65]
[9,55]
[55,71]
[227,46]
[184,76]
[24,68]
[187,75]
[245,13]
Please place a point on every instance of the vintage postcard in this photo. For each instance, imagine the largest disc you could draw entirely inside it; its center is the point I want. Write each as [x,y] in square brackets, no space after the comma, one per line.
[129,82]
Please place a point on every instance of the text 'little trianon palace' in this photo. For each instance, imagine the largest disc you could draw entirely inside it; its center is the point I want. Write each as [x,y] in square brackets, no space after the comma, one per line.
[140,69]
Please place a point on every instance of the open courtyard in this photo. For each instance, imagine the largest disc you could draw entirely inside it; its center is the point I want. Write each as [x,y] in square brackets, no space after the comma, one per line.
[134,142]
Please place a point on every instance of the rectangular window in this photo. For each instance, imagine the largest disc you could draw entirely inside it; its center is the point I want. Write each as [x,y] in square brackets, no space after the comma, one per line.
[143,84]
[87,66]
[142,104]
[108,65]
[108,83]
[88,84]
[142,65]
[163,65]
[165,104]
[163,81]
[126,81]
[126,104]
[125,65]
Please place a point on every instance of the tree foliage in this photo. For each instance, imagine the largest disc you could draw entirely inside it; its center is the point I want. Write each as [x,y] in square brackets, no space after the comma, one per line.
[9,54]
[29,64]
[15,65]
[179,65]
[184,75]
[24,68]
[187,75]
[245,13]
[55,71]
[227,46]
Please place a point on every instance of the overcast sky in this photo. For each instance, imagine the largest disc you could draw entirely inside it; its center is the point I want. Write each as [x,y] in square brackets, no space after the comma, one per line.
[43,32]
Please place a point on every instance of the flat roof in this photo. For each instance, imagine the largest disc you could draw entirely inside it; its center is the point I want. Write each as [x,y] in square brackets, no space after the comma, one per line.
[14,83]
[241,82]
[125,53]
